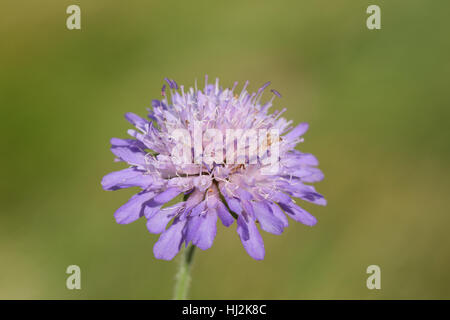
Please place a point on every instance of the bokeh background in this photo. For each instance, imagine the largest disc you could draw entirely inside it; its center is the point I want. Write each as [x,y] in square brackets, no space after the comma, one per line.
[378,107]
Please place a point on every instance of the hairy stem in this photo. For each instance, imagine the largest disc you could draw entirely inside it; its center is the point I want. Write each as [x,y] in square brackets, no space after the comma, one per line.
[183,277]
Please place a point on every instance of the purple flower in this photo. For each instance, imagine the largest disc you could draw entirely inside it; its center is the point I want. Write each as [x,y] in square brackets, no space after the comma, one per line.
[213,189]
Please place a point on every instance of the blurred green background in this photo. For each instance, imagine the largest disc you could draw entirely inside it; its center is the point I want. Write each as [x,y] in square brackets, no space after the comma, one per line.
[378,107]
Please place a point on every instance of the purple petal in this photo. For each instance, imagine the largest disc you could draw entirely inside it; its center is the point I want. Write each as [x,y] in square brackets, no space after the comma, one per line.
[232,203]
[308,174]
[137,121]
[194,199]
[225,216]
[308,159]
[248,208]
[268,221]
[250,238]
[158,222]
[198,209]
[280,197]
[303,191]
[133,156]
[296,132]
[170,241]
[159,200]
[126,178]
[313,197]
[166,195]
[277,212]
[296,158]
[201,229]
[299,214]
[132,210]
[244,194]
[117,142]
[242,228]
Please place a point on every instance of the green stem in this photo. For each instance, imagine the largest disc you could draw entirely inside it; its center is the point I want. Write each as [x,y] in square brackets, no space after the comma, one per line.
[183,277]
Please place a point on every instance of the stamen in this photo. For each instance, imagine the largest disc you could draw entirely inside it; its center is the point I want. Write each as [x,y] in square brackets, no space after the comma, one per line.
[275,92]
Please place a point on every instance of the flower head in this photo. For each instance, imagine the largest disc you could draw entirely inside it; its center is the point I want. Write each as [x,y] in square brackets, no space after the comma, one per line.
[219,174]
